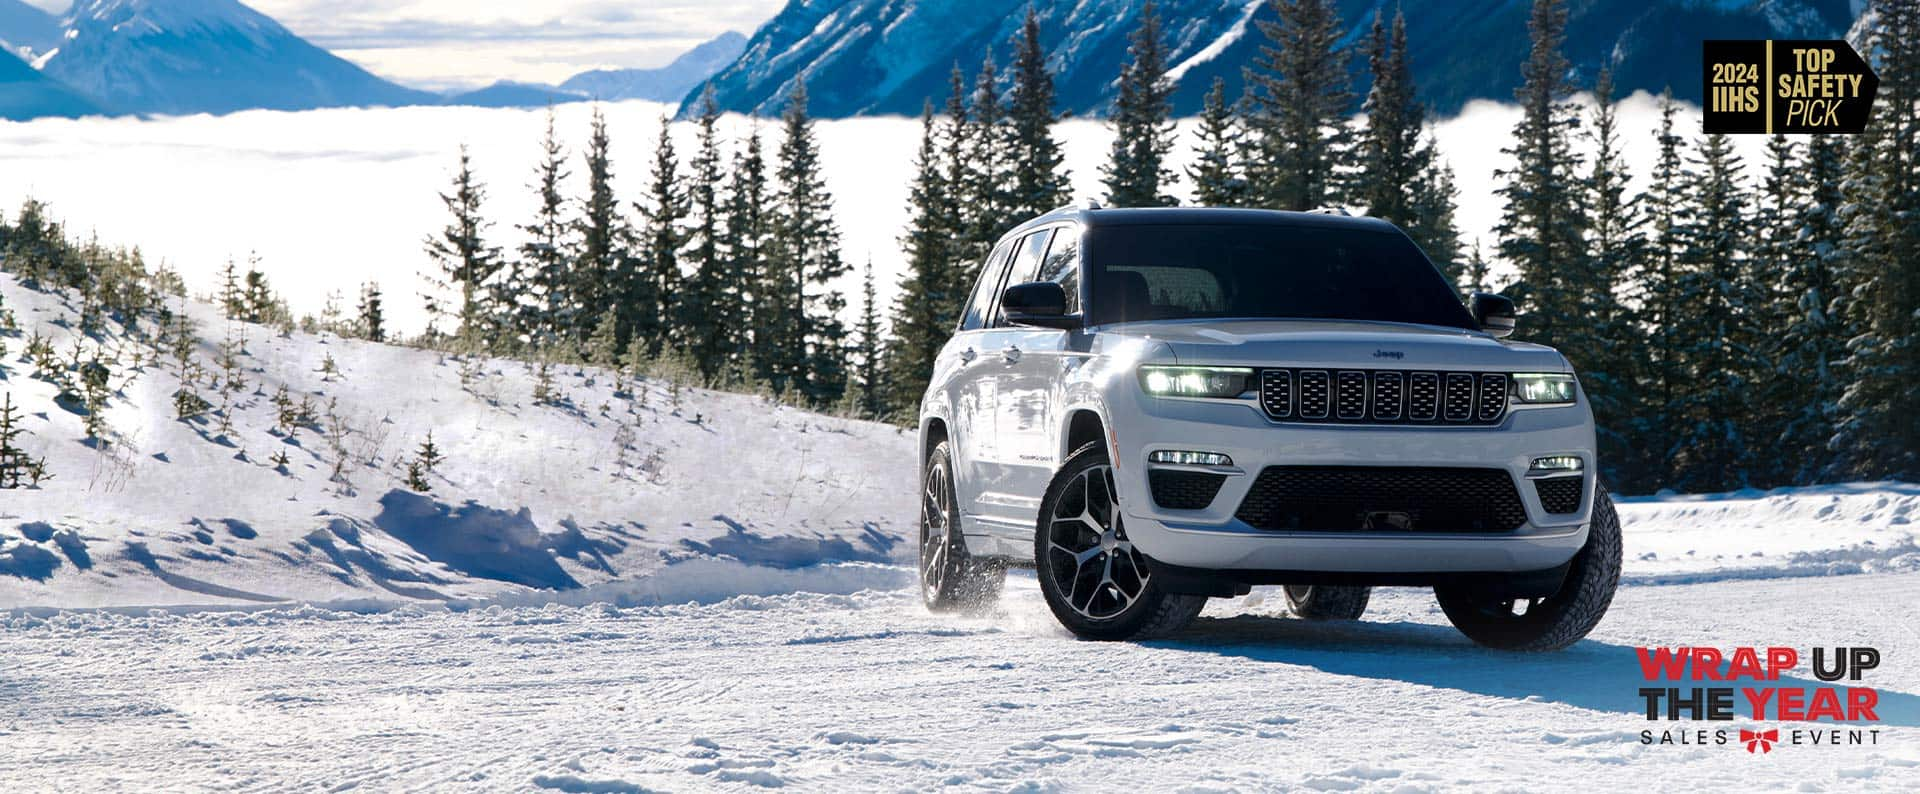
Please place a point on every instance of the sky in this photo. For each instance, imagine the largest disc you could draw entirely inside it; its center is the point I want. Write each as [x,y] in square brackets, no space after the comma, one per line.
[447,44]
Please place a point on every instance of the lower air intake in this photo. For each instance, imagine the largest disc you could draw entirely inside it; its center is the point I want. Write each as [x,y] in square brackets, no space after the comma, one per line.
[1378,498]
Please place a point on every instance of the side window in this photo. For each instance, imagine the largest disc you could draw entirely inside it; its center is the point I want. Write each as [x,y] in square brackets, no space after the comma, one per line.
[1062,266]
[1026,264]
[985,295]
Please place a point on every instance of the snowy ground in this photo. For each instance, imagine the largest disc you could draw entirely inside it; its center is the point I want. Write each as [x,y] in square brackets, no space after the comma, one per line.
[868,692]
[727,606]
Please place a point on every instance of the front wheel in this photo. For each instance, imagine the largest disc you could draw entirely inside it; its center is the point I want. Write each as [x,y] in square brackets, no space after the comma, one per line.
[1097,584]
[1554,622]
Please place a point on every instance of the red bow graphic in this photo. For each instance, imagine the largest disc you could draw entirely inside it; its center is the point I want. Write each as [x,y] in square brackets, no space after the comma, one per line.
[1761,739]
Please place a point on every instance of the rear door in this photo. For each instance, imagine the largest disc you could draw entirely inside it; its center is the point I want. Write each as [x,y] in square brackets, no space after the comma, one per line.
[1035,362]
[971,389]
[1019,399]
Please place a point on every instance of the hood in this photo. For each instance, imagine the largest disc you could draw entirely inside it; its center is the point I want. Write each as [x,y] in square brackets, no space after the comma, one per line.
[1341,344]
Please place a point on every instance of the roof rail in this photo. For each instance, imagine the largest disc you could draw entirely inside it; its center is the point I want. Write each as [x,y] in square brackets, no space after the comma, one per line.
[1083,204]
[1330,211]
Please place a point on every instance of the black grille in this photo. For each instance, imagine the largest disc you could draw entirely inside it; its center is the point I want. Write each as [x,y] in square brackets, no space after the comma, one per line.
[1183,490]
[1560,495]
[1384,396]
[1347,498]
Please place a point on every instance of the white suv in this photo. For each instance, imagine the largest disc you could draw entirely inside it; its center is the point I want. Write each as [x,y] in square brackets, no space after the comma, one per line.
[1155,406]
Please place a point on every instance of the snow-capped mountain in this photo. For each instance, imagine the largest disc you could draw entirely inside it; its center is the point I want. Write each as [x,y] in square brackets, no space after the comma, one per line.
[665,84]
[26,30]
[510,94]
[205,56]
[25,93]
[888,56]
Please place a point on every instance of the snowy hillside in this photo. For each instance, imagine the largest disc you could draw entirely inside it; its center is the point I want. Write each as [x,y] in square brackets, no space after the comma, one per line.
[205,56]
[601,492]
[596,487]
[884,56]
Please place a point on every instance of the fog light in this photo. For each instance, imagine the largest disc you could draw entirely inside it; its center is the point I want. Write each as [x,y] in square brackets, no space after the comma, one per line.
[1185,458]
[1556,464]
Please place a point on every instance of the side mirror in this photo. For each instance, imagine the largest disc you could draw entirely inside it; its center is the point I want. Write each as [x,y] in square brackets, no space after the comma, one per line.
[1494,313]
[1041,303]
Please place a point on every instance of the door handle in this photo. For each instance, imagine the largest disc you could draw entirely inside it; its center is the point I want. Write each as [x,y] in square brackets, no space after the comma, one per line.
[967,356]
[1011,354]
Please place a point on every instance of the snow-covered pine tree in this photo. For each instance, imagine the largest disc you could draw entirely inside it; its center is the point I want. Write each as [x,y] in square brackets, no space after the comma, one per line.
[1710,448]
[809,339]
[1136,174]
[745,287]
[1039,171]
[870,397]
[1813,339]
[1876,435]
[925,311]
[1298,92]
[372,321]
[1541,230]
[467,264]
[539,291]
[1605,335]
[707,309]
[602,238]
[1218,180]
[650,298]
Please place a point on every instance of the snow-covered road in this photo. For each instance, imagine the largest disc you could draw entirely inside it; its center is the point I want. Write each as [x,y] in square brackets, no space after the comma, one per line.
[868,692]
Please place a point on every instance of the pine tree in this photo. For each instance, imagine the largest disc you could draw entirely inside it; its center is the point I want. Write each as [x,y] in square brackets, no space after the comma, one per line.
[1432,202]
[1218,180]
[924,314]
[1541,230]
[745,287]
[807,351]
[1298,92]
[1813,336]
[1661,298]
[540,291]
[1475,276]
[871,395]
[709,309]
[231,299]
[467,263]
[15,465]
[372,323]
[603,240]
[425,460]
[984,186]
[1710,450]
[650,298]
[1391,158]
[1605,333]
[1039,175]
[1136,174]
[1876,435]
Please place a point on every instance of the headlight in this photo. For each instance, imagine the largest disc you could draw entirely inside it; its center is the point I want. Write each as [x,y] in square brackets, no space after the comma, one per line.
[1543,388]
[1220,382]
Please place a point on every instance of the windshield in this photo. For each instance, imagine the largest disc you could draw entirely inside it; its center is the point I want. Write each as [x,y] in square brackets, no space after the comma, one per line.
[1188,271]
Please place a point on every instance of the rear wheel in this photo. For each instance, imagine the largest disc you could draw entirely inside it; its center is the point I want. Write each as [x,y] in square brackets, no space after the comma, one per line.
[1327,602]
[950,578]
[1558,620]
[1097,584]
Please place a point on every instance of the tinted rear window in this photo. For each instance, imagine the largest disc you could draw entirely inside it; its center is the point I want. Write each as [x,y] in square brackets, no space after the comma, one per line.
[1186,271]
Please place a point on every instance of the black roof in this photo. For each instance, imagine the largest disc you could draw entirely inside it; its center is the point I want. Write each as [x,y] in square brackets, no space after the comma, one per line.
[1135,216]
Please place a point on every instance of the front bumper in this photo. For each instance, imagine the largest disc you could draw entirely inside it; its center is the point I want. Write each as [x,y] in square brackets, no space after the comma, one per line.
[1213,538]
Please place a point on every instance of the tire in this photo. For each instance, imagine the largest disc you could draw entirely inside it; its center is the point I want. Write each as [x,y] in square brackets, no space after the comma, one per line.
[1097,584]
[1327,602]
[1559,620]
[950,578]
